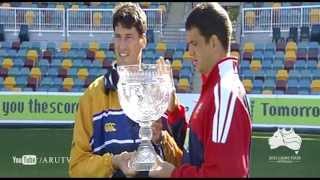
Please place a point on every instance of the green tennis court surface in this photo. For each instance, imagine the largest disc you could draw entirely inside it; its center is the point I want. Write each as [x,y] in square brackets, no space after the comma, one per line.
[51,147]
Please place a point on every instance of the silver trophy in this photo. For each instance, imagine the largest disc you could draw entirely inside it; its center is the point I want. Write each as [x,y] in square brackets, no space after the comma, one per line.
[144,91]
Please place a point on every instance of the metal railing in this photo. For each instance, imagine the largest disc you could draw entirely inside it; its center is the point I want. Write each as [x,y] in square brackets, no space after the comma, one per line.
[38,19]
[264,19]
[68,20]
[100,20]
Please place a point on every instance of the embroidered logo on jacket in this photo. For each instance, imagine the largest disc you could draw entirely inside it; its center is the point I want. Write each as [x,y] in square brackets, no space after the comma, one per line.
[110,127]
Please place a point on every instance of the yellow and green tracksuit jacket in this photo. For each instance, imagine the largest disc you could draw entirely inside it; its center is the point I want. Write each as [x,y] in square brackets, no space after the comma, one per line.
[102,129]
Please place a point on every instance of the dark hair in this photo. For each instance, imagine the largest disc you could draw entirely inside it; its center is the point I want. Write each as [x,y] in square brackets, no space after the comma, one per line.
[130,15]
[211,19]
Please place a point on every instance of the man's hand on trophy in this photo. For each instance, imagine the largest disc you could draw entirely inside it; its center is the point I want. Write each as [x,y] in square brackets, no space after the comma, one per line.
[173,102]
[163,67]
[163,169]
[156,131]
[121,161]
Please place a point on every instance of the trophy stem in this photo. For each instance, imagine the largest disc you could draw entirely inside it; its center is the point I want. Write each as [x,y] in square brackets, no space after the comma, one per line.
[145,157]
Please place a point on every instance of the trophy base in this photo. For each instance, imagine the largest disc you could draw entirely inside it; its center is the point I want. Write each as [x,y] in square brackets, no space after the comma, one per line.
[141,166]
[144,159]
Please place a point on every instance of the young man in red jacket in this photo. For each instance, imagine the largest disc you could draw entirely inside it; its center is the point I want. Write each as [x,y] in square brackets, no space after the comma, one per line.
[220,125]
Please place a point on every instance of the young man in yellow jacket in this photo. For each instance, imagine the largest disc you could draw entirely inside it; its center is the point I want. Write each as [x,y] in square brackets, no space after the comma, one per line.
[102,131]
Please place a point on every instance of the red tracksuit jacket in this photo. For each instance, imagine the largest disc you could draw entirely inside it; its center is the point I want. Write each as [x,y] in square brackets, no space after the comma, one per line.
[220,127]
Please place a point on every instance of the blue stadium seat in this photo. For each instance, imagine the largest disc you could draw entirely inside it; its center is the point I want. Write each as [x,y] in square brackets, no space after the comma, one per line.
[315,93]
[78,82]
[180,46]
[294,74]
[185,73]
[151,46]
[304,85]
[247,74]
[87,63]
[77,63]
[188,65]
[178,54]
[148,54]
[72,54]
[302,53]
[3,53]
[27,89]
[293,33]
[279,56]
[44,65]
[46,82]
[15,71]
[26,45]
[279,92]
[311,65]
[110,55]
[81,54]
[315,74]
[73,72]
[303,45]
[18,62]
[104,46]
[94,73]
[21,81]
[1,82]
[53,72]
[257,85]
[269,84]
[304,33]
[76,89]
[147,61]
[42,89]
[267,64]
[244,65]
[306,74]
[56,63]
[259,47]
[313,45]
[22,53]
[259,74]
[313,54]
[53,89]
[268,55]
[276,34]
[278,64]
[24,71]
[57,82]
[270,74]
[315,33]
[6,44]
[300,65]
[96,64]
[12,53]
[171,47]
[102,71]
[303,92]
[59,55]
[293,83]
[257,55]
[51,46]
[36,45]
[255,91]
[75,45]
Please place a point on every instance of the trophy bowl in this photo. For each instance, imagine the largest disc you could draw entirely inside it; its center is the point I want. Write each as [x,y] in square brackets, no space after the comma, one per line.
[144,91]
